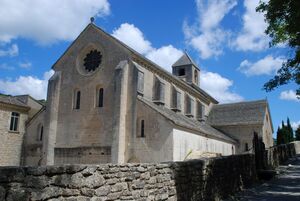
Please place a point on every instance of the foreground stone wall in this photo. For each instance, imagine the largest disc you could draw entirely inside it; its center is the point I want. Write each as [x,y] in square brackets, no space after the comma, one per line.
[191,180]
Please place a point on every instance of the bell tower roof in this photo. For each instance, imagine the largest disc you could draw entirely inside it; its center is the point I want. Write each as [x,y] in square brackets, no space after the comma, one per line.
[185,60]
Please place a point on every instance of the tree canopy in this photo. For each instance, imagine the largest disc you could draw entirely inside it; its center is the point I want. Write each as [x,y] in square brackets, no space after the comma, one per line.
[283,18]
[298,133]
[285,134]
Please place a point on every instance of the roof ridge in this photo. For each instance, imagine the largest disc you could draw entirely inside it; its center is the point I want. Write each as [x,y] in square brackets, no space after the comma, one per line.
[242,102]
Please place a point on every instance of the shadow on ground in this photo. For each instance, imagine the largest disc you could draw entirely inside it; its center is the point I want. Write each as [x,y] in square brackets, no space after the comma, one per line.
[285,187]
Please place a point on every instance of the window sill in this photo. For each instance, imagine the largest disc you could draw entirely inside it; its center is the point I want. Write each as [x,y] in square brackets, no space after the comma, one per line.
[189,115]
[201,119]
[15,132]
[176,109]
[158,102]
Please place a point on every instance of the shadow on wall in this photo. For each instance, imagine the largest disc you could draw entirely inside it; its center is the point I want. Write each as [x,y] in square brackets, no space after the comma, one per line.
[213,179]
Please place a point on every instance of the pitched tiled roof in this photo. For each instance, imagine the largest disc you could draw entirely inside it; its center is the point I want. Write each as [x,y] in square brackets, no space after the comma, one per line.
[184,121]
[185,59]
[7,99]
[252,112]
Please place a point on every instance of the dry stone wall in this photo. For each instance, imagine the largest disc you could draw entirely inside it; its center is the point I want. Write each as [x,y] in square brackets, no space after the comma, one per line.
[208,179]
[277,155]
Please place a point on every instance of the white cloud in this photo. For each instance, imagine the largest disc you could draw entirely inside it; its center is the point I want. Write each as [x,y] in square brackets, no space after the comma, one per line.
[289,95]
[252,37]
[164,56]
[206,35]
[47,21]
[25,65]
[295,125]
[266,66]
[33,86]
[218,87]
[133,37]
[12,51]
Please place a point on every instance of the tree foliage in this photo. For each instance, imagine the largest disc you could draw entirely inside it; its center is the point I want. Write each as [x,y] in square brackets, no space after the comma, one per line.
[283,18]
[285,134]
[297,133]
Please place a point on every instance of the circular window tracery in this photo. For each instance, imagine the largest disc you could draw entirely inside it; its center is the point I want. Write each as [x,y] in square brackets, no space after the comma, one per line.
[92,60]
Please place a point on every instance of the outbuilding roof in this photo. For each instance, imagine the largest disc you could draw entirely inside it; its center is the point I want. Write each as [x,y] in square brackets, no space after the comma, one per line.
[242,113]
[12,100]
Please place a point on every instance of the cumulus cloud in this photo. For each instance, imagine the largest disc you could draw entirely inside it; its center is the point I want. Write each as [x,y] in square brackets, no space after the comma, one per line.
[266,66]
[31,85]
[11,51]
[295,124]
[132,36]
[206,35]
[165,56]
[219,87]
[252,37]
[47,21]
[289,95]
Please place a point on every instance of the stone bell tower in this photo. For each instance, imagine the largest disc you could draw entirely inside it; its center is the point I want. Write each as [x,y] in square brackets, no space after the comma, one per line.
[186,69]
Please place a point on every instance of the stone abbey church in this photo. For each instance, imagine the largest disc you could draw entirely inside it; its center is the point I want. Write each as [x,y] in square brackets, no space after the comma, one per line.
[106,103]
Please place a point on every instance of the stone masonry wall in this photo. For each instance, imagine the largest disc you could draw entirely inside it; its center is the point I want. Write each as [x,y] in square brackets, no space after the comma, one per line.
[277,155]
[208,179]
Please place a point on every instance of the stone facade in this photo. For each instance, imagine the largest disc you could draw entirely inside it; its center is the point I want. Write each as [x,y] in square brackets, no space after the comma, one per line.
[210,179]
[11,141]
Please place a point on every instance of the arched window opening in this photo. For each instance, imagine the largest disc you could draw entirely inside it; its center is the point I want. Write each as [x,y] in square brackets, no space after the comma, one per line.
[196,76]
[140,83]
[77,95]
[40,132]
[100,96]
[159,92]
[142,128]
[246,147]
[176,100]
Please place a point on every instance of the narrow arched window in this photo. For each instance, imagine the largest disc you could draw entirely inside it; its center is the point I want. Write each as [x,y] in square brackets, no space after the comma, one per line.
[196,76]
[246,147]
[142,128]
[40,132]
[100,97]
[77,99]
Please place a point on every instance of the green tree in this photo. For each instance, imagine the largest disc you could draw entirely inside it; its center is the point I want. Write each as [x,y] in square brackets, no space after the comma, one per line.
[279,137]
[290,131]
[283,18]
[298,133]
[285,135]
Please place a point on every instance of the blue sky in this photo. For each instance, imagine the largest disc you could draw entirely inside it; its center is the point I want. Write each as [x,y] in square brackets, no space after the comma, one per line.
[225,37]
